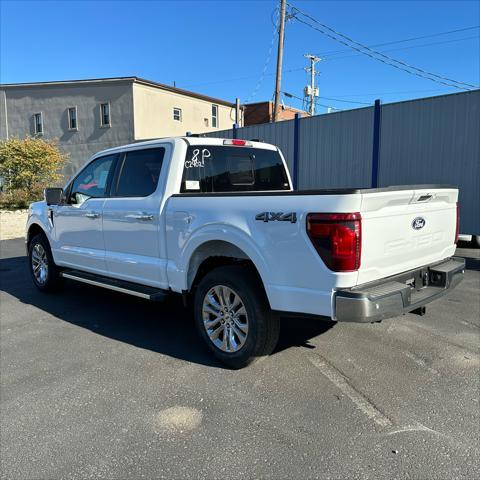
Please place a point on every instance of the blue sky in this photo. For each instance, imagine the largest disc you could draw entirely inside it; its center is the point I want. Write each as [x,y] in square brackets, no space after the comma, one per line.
[220,48]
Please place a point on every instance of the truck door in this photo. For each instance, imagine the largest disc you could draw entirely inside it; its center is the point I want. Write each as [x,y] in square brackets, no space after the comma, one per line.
[131,219]
[78,222]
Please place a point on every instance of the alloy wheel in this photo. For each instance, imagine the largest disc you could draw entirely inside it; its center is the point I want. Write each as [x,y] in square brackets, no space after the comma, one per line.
[39,264]
[225,318]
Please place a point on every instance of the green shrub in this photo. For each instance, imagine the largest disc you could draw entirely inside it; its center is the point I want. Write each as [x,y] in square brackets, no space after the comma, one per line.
[27,167]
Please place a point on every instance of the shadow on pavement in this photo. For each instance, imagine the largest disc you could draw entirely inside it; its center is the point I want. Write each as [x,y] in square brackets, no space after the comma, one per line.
[166,328]
[471,255]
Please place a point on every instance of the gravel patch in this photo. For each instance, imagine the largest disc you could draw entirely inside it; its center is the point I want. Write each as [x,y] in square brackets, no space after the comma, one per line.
[12,224]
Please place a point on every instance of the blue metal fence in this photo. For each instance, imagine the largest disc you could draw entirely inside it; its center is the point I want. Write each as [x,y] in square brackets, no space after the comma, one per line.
[429,140]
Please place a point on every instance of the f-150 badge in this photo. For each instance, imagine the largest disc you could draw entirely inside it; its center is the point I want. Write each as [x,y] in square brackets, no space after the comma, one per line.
[277,216]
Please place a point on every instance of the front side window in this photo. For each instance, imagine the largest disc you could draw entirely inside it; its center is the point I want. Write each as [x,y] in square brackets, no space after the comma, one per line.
[177,114]
[105,114]
[139,172]
[72,118]
[232,169]
[92,181]
[38,123]
[215,116]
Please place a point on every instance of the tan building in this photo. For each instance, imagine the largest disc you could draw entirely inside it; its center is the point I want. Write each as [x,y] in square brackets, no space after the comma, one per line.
[262,112]
[86,116]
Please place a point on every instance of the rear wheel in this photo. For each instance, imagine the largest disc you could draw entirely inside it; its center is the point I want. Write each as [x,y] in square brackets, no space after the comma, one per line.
[233,316]
[45,273]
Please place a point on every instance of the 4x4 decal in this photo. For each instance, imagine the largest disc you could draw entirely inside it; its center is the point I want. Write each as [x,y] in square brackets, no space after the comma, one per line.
[277,216]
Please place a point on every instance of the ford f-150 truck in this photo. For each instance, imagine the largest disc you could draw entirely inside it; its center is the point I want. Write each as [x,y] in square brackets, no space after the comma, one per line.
[217,221]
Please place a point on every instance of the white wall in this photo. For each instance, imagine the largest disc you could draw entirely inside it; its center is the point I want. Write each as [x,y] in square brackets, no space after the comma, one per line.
[153,113]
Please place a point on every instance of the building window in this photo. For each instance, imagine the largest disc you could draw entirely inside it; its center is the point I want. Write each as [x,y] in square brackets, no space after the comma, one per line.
[177,114]
[215,116]
[38,123]
[72,118]
[105,115]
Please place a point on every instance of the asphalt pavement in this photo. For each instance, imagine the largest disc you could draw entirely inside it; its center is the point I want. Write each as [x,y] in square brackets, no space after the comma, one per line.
[96,384]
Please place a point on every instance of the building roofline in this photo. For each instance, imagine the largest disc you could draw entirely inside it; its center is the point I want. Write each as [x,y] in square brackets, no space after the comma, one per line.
[182,91]
[271,103]
[257,103]
[132,79]
[68,82]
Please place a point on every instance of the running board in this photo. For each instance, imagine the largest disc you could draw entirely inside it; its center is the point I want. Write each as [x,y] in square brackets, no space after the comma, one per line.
[142,291]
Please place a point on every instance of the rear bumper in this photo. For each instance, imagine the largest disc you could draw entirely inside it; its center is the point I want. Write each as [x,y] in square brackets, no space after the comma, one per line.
[399,294]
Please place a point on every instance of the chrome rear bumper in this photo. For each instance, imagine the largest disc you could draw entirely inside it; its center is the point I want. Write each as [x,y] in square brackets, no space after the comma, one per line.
[398,294]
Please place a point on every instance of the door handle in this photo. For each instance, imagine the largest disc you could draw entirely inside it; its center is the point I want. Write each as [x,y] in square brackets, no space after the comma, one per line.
[91,215]
[140,216]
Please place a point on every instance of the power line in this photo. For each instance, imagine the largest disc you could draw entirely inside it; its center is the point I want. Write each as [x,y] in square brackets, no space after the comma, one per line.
[334,57]
[391,93]
[265,74]
[345,101]
[328,59]
[417,71]
[388,63]
[291,95]
[369,49]
[335,52]
[267,60]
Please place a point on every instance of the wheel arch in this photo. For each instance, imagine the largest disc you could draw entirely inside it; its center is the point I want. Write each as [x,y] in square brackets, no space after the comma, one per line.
[215,253]
[34,229]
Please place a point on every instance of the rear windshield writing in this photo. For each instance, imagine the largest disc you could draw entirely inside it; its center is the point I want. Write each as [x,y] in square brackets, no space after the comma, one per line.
[232,169]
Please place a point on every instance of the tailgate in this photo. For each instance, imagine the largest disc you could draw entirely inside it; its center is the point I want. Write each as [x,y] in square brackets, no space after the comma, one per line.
[405,229]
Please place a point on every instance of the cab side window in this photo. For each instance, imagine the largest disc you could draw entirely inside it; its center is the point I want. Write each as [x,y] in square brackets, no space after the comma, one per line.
[92,181]
[139,172]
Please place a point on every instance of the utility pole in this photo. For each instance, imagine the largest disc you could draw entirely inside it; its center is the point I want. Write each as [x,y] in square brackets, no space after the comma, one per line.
[278,81]
[237,112]
[310,90]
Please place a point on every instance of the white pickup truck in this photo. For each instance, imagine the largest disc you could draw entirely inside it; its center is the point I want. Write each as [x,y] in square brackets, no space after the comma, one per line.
[218,222]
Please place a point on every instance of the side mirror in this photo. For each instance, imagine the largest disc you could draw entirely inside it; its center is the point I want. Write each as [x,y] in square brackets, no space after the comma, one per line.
[54,196]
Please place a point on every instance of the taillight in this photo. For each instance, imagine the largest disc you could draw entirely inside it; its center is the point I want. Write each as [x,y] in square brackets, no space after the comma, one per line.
[237,142]
[457,228]
[337,237]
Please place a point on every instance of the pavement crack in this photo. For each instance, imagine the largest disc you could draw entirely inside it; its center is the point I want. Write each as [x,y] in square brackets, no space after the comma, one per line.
[443,338]
[365,405]
[420,362]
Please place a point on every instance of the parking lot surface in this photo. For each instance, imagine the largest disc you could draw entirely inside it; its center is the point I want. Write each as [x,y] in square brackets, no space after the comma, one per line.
[95,384]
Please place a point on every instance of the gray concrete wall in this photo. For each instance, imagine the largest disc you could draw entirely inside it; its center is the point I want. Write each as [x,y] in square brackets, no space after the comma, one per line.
[53,101]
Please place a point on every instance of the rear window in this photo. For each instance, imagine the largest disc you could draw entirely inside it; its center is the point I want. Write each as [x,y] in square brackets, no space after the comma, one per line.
[219,168]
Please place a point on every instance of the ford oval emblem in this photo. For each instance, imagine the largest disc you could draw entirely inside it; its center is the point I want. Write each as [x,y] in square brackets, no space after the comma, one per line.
[418,223]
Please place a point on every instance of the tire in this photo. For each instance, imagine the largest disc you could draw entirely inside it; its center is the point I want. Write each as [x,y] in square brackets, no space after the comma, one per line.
[475,242]
[233,283]
[45,274]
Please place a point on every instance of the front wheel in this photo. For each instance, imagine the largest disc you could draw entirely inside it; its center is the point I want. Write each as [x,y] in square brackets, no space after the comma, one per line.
[44,272]
[233,316]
